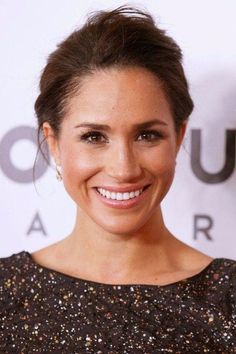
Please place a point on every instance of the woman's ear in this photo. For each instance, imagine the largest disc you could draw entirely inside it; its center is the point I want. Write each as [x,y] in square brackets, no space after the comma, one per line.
[52,142]
[180,136]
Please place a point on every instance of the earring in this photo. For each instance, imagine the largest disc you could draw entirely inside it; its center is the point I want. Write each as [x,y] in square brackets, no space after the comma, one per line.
[58,173]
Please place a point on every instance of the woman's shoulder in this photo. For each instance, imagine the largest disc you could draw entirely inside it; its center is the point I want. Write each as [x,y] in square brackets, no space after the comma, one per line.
[14,275]
[226,263]
[14,258]
[13,266]
[220,281]
[223,270]
[223,284]
[226,266]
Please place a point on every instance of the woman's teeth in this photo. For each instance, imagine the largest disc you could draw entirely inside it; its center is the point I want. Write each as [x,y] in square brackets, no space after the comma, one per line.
[119,196]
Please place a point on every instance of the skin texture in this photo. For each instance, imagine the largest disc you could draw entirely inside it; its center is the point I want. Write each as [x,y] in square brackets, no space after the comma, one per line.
[119,245]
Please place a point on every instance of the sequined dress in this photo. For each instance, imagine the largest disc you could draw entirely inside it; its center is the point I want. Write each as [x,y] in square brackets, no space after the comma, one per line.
[45,311]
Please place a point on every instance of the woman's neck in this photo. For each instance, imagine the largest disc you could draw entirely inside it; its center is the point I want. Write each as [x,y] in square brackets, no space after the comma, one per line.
[107,256]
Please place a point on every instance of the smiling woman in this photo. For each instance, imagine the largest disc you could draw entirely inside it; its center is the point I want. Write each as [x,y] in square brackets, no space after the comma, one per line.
[113,108]
[127,99]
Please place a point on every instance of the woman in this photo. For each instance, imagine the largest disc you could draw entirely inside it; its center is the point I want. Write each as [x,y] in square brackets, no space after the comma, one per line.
[113,108]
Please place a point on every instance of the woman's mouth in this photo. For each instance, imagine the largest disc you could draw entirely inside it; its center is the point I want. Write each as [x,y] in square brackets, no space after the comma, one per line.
[121,200]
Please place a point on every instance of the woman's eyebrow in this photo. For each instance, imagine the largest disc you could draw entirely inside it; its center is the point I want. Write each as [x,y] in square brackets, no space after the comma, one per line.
[108,128]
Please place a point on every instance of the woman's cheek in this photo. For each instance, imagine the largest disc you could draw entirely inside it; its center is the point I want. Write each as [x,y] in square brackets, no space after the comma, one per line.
[77,168]
[164,169]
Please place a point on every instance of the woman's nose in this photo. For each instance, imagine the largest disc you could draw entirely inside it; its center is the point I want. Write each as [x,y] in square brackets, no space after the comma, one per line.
[122,164]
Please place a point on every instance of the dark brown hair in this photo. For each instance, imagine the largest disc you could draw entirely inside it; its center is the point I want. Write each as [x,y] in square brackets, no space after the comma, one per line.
[123,37]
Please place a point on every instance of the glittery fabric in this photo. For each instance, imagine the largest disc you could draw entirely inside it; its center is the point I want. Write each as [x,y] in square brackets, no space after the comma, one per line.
[45,311]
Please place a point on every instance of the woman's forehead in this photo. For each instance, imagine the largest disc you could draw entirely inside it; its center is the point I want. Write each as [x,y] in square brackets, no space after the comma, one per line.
[120,94]
[116,79]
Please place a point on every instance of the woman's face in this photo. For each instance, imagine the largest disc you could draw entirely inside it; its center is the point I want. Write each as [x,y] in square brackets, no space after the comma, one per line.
[132,145]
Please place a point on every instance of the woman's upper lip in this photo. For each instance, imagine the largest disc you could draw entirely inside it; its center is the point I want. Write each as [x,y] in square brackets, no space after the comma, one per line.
[123,189]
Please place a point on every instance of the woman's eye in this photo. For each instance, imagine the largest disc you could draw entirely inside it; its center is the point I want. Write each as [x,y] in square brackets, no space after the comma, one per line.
[92,137]
[150,135]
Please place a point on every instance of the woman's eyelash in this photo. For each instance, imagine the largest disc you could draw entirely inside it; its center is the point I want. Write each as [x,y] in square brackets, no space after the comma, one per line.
[94,137]
[157,135]
[87,137]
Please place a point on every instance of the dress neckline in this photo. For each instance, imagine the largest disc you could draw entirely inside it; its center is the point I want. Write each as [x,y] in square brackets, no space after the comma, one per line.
[109,285]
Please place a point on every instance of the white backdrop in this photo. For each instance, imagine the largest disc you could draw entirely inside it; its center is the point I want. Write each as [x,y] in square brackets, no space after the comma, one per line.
[200,208]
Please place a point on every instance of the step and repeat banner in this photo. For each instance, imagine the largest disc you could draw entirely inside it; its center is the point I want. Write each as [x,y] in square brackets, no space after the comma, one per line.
[200,208]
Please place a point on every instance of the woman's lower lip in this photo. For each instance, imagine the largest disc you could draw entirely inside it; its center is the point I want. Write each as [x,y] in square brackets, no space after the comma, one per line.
[122,204]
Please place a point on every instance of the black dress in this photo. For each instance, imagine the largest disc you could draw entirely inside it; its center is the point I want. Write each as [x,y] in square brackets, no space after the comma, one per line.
[45,311]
